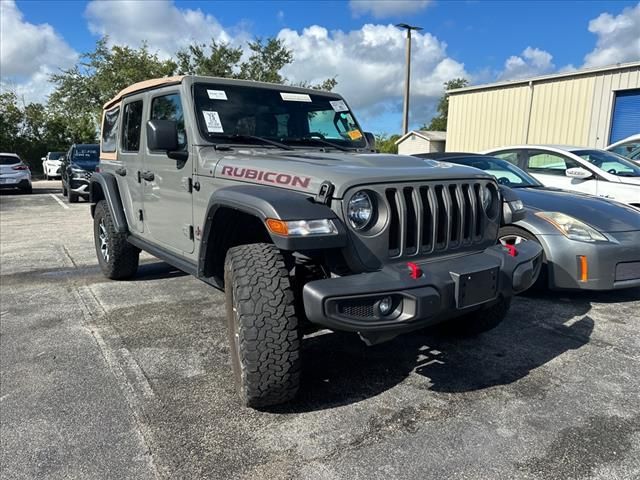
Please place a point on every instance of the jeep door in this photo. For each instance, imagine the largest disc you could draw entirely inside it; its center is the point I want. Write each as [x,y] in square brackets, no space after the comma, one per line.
[168,206]
[131,156]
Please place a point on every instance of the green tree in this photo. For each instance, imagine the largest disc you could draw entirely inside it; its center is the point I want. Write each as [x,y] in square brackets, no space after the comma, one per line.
[386,143]
[11,118]
[220,62]
[439,122]
[83,89]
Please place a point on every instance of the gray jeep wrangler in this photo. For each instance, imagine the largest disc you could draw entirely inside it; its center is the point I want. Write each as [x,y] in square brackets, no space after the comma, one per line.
[275,195]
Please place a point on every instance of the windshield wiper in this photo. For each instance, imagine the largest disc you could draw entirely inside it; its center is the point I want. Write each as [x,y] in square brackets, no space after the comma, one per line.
[321,141]
[255,137]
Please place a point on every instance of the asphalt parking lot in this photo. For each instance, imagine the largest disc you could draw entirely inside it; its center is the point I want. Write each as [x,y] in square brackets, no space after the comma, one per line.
[132,380]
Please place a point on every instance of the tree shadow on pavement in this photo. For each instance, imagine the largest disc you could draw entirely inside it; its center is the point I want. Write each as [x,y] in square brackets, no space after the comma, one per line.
[338,369]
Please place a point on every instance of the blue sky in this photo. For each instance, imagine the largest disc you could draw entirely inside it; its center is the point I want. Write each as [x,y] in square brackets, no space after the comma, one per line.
[484,41]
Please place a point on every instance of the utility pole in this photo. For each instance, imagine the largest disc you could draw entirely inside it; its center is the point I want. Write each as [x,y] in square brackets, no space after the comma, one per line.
[407,78]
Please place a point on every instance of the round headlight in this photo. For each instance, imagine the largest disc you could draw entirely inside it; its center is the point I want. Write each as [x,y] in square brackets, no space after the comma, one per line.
[360,210]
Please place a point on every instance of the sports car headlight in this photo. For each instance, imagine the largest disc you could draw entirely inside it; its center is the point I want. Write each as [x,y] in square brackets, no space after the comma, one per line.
[360,210]
[572,228]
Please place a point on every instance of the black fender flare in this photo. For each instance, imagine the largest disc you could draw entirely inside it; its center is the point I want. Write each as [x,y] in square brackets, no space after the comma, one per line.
[265,202]
[104,186]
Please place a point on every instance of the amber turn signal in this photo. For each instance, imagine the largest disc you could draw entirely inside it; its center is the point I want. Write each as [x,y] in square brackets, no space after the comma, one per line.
[279,227]
[584,268]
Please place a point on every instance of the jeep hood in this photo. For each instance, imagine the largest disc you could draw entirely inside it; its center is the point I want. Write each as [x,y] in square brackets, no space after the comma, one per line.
[306,171]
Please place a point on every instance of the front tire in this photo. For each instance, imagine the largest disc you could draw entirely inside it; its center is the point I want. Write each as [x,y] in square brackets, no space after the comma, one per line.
[510,235]
[262,325]
[118,259]
[64,190]
[73,197]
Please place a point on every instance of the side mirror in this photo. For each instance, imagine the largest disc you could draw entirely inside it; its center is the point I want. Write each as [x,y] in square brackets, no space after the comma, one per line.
[162,135]
[43,158]
[578,172]
[371,140]
[512,207]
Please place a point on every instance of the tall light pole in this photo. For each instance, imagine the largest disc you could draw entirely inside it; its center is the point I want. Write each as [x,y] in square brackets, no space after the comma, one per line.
[407,78]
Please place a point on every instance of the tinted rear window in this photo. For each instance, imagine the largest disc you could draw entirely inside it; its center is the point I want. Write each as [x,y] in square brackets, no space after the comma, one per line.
[8,160]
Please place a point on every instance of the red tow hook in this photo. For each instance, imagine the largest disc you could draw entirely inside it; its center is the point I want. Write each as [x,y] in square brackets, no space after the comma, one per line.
[416,271]
[511,250]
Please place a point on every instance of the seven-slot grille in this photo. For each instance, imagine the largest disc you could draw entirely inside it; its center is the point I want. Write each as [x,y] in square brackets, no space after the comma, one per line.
[434,217]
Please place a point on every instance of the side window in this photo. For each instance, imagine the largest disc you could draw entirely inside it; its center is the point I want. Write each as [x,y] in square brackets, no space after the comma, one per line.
[169,107]
[549,163]
[511,157]
[131,126]
[109,130]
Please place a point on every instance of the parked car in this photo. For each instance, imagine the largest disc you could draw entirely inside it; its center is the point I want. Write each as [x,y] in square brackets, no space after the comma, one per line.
[586,170]
[273,193]
[589,242]
[634,155]
[51,165]
[78,166]
[14,173]
[625,146]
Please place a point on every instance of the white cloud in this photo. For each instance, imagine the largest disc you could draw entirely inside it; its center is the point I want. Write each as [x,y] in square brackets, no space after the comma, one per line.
[369,65]
[618,38]
[29,54]
[531,62]
[160,23]
[387,8]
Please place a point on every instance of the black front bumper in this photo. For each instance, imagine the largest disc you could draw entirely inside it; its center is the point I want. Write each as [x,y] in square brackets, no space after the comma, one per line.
[447,288]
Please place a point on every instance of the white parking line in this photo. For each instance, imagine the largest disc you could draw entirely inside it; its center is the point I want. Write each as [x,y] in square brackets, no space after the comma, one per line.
[62,204]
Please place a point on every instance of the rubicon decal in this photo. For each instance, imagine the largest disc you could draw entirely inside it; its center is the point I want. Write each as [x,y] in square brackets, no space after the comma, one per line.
[264,176]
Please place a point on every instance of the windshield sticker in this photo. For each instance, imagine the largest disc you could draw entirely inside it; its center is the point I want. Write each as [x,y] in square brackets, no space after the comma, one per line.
[217,94]
[295,97]
[354,134]
[339,106]
[212,119]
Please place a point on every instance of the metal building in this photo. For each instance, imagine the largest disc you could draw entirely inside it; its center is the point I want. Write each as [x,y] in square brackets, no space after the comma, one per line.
[590,107]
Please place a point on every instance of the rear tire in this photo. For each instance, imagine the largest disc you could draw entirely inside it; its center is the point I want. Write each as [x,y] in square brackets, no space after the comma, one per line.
[27,190]
[482,320]
[263,329]
[118,259]
[64,190]
[73,197]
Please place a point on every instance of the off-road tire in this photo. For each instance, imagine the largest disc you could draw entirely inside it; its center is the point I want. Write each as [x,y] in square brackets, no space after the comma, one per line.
[263,328]
[122,259]
[482,320]
[542,282]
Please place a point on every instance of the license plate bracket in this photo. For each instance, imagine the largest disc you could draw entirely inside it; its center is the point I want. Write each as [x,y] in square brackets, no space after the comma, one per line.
[475,288]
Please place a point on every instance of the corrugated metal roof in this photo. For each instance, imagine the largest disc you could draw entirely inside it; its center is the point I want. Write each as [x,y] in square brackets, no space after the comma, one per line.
[524,81]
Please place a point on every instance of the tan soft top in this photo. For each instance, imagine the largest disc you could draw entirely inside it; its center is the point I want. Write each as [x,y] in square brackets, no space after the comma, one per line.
[154,82]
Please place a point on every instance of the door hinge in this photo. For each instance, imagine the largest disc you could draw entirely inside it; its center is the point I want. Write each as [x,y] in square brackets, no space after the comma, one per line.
[139,178]
[140,214]
[190,185]
[190,232]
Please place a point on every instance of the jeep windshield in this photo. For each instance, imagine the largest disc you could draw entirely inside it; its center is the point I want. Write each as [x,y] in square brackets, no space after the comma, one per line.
[235,114]
[86,157]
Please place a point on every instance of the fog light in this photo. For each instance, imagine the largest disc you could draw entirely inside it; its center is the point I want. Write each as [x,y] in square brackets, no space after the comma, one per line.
[385,305]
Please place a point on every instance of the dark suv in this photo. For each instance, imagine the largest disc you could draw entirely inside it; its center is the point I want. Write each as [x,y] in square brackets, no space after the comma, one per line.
[77,167]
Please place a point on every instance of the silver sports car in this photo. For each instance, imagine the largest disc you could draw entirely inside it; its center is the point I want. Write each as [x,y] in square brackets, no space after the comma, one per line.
[590,243]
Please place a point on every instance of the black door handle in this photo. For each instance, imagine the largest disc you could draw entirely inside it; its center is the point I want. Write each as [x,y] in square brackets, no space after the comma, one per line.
[121,171]
[148,176]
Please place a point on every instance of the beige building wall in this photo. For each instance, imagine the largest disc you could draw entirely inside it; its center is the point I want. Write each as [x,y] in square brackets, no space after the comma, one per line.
[574,110]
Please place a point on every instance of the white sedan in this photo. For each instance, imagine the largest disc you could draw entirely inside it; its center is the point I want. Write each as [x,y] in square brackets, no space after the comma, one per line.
[583,169]
[625,146]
